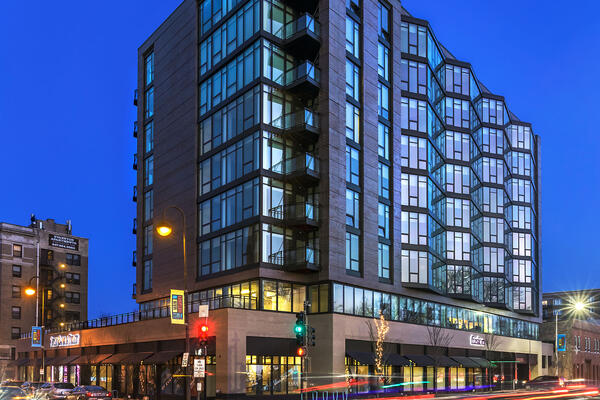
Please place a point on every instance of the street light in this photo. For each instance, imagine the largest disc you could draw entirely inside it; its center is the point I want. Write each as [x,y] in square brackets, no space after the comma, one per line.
[575,308]
[164,229]
[29,291]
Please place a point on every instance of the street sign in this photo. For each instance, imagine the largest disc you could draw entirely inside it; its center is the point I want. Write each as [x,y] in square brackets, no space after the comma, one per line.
[177,307]
[203,311]
[36,336]
[199,386]
[185,359]
[41,371]
[561,342]
[199,368]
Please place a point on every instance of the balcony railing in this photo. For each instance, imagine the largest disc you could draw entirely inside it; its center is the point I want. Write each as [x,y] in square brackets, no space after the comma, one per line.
[300,119]
[134,198]
[304,71]
[305,23]
[134,259]
[302,259]
[134,230]
[304,167]
[135,97]
[304,210]
[302,37]
[135,129]
[134,291]
[135,162]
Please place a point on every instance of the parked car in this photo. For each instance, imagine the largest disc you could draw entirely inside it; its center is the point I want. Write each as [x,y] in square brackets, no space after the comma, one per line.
[88,392]
[55,390]
[11,383]
[544,382]
[31,387]
[12,393]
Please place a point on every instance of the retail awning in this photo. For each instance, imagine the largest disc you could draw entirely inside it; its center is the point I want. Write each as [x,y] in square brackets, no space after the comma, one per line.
[162,357]
[22,361]
[396,360]
[443,361]
[362,357]
[126,358]
[483,363]
[420,360]
[97,358]
[466,362]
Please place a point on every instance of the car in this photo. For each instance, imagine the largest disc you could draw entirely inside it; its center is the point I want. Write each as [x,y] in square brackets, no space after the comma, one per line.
[12,393]
[544,382]
[55,390]
[31,387]
[11,383]
[87,392]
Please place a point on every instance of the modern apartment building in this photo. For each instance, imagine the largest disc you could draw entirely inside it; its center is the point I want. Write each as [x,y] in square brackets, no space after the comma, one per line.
[329,155]
[47,257]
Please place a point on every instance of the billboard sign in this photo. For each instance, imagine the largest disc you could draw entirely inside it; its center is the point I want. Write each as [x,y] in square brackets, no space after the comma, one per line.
[561,342]
[177,307]
[36,336]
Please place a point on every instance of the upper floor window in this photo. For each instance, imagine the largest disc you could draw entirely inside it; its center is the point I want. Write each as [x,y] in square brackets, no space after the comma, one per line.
[352,166]
[149,103]
[147,275]
[352,122]
[16,292]
[17,250]
[16,271]
[352,252]
[383,141]
[15,332]
[384,181]
[413,76]
[149,171]
[352,208]
[72,278]
[352,80]
[73,259]
[352,37]
[457,79]
[413,39]
[16,312]
[149,68]
[383,14]
[149,137]
[72,297]
[383,61]
[383,100]
[148,205]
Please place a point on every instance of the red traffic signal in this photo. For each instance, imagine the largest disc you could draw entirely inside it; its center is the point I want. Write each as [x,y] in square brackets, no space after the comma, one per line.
[204,329]
[301,351]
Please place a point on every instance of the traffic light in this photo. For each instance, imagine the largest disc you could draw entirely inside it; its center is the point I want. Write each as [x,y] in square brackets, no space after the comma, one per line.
[311,336]
[301,351]
[300,329]
[203,334]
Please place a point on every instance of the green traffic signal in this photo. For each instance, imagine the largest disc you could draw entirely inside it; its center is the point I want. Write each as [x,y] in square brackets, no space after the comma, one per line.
[299,329]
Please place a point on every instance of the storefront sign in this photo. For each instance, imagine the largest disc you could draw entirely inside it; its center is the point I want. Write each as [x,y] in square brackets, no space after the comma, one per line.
[561,342]
[476,341]
[203,311]
[64,242]
[65,340]
[184,360]
[36,336]
[177,307]
[199,368]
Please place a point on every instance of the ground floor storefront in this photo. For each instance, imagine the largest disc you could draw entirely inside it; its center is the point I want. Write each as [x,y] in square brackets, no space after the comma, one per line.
[252,353]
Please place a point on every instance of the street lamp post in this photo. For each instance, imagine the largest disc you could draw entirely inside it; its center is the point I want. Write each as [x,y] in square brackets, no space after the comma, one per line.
[164,229]
[577,308]
[30,291]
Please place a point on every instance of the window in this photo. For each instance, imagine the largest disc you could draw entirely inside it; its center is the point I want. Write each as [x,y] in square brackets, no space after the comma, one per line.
[147,275]
[458,179]
[352,252]
[414,228]
[17,251]
[352,37]
[493,230]
[413,115]
[149,67]
[458,246]
[383,179]
[149,171]
[16,312]
[383,252]
[238,248]
[383,61]
[148,232]
[73,259]
[413,39]
[149,137]
[458,279]
[72,297]
[73,278]
[457,79]
[383,141]
[352,208]
[414,266]
[283,296]
[413,152]
[414,190]
[383,100]
[352,80]
[16,292]
[522,271]
[457,112]
[455,145]
[148,205]
[383,15]
[352,166]
[149,103]
[457,212]
[413,76]
[352,122]
[15,333]
[383,212]
[16,271]
[491,111]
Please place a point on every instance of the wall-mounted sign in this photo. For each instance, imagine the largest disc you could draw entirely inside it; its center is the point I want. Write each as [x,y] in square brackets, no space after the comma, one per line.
[177,307]
[203,311]
[36,336]
[65,340]
[476,340]
[561,342]
[64,242]
[199,368]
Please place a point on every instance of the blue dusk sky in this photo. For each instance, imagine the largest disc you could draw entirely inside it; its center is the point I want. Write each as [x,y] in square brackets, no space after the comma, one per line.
[68,70]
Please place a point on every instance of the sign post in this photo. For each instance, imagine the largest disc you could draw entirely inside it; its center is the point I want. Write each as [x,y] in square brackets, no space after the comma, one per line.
[177,307]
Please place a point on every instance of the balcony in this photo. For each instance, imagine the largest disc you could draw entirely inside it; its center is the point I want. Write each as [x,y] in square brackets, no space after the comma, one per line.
[134,198]
[303,5]
[302,259]
[134,230]
[303,169]
[134,259]
[135,162]
[135,129]
[304,215]
[302,126]
[303,80]
[135,97]
[134,291]
[303,37]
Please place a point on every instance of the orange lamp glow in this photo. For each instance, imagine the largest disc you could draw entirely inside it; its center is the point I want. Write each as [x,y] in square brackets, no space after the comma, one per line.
[164,229]
[29,291]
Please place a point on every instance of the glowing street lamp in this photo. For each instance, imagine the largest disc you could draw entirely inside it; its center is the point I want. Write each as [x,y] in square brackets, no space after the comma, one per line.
[29,291]
[164,229]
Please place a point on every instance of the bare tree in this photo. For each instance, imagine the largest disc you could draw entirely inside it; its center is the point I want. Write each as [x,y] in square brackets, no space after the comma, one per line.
[438,337]
[491,343]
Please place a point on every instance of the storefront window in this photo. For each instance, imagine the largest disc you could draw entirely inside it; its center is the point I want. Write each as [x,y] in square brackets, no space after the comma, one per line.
[267,375]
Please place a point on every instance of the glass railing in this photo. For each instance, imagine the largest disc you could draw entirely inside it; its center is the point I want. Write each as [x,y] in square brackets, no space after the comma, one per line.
[304,117]
[304,163]
[301,211]
[134,290]
[305,23]
[303,71]
[302,255]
